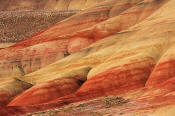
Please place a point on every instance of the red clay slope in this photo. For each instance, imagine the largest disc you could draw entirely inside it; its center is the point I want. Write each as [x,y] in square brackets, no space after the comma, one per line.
[158,101]
[164,69]
[130,60]
[53,43]
[143,70]
[24,60]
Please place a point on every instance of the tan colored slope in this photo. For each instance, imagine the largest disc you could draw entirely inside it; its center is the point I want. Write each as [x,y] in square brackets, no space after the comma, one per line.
[113,66]
[40,55]
[4,45]
[46,50]
[164,69]
[26,60]
[58,41]
[119,52]
[111,44]
[9,88]
[6,5]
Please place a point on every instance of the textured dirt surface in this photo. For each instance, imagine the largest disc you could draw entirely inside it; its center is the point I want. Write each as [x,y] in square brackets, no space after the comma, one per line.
[6,5]
[85,108]
[18,25]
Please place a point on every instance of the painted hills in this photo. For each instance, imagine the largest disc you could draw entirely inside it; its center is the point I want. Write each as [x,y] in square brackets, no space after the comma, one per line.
[113,59]
[20,19]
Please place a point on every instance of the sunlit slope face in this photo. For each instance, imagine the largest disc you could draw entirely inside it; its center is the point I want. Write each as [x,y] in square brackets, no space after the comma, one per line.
[158,101]
[164,69]
[9,88]
[24,57]
[59,40]
[117,64]
[158,27]
[121,63]
[11,5]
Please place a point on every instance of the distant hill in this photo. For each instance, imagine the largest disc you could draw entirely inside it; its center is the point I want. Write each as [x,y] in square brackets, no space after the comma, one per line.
[18,25]
[20,19]
[46,4]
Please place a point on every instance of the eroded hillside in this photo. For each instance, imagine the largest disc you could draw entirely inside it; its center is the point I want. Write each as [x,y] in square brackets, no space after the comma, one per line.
[118,60]
[20,19]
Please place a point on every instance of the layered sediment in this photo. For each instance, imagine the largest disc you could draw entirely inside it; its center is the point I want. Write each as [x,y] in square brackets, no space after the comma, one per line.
[127,53]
